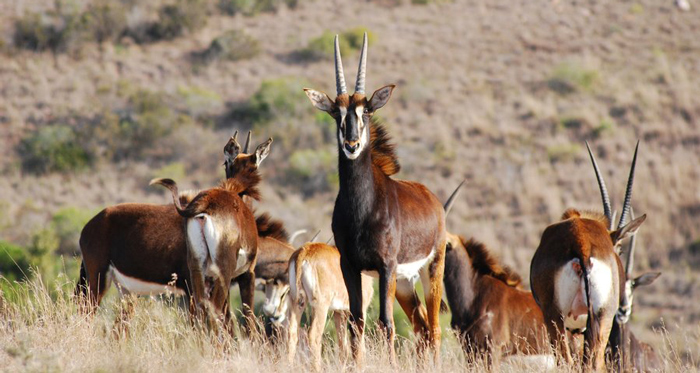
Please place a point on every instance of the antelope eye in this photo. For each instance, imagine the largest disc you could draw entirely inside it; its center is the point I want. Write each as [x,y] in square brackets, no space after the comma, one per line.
[366,110]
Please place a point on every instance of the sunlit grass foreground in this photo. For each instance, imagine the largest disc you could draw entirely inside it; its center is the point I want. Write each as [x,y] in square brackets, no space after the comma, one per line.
[42,330]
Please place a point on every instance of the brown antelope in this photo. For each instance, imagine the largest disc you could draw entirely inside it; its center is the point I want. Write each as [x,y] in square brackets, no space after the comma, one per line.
[315,280]
[625,351]
[392,229]
[222,240]
[576,274]
[490,311]
[142,247]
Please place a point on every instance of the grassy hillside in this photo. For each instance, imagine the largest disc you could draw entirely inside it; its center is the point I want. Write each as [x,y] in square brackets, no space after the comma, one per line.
[98,97]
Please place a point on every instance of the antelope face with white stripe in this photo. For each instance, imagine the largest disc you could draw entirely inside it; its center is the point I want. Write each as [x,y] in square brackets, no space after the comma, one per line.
[275,303]
[352,114]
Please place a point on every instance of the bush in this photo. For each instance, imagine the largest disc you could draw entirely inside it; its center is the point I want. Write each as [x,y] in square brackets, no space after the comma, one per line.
[568,78]
[324,45]
[53,148]
[175,19]
[106,20]
[67,223]
[55,31]
[14,261]
[253,7]
[314,170]
[232,45]
[276,98]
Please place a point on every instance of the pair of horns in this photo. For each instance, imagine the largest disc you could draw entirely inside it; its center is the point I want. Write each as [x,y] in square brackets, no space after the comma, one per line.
[247,141]
[340,87]
[624,216]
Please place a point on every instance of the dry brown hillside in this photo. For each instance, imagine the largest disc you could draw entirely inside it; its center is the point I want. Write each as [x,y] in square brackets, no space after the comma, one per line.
[503,93]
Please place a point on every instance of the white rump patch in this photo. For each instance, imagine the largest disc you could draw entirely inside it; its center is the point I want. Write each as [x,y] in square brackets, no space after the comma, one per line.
[601,284]
[136,286]
[203,238]
[293,279]
[569,291]
[308,280]
[241,260]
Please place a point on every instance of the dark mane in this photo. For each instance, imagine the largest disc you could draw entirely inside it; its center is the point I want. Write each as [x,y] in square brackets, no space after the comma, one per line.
[269,227]
[383,153]
[485,264]
[243,184]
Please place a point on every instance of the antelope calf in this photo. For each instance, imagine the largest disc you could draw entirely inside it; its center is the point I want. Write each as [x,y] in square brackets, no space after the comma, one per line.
[316,280]
[625,351]
[143,247]
[392,229]
[576,274]
[490,312]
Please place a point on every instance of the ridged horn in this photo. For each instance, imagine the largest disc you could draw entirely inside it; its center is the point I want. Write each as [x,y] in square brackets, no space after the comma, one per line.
[315,236]
[340,87]
[247,143]
[451,201]
[628,191]
[603,190]
[362,69]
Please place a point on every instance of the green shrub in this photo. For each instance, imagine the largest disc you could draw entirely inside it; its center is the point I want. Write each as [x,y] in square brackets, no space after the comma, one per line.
[54,31]
[568,78]
[105,20]
[175,171]
[53,148]
[276,99]
[232,45]
[14,261]
[199,101]
[562,152]
[253,7]
[67,223]
[314,170]
[175,19]
[324,45]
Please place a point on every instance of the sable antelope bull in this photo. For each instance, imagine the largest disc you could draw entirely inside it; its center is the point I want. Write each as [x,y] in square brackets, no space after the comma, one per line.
[390,228]
[143,247]
[490,311]
[576,274]
[315,280]
[626,352]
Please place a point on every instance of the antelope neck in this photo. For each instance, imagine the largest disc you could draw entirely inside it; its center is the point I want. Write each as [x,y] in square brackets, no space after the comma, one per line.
[459,281]
[357,184]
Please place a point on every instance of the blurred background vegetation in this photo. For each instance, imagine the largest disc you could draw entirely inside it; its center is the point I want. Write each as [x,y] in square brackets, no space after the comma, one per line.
[100,96]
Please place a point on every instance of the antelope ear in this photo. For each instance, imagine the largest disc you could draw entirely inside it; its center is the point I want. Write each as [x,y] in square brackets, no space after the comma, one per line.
[262,151]
[628,229]
[645,279]
[381,96]
[320,100]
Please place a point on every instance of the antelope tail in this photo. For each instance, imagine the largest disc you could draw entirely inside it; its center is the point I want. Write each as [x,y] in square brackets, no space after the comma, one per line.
[592,324]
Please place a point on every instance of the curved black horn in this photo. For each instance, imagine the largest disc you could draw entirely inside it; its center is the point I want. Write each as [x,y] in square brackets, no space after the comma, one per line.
[247,143]
[315,236]
[362,69]
[339,74]
[172,186]
[628,191]
[451,201]
[603,190]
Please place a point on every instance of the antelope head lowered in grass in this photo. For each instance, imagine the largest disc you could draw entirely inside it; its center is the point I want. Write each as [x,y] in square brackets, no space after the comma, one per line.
[626,352]
[576,274]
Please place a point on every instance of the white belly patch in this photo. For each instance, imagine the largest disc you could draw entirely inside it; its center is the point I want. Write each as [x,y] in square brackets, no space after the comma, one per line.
[140,287]
[407,271]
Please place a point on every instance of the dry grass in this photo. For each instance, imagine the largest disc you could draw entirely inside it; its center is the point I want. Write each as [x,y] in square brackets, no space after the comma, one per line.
[42,330]
[500,92]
